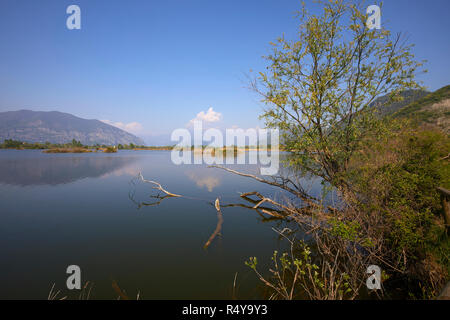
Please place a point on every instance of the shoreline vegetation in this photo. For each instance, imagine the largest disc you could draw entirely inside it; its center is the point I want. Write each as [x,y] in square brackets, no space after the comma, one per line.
[77,147]
[319,90]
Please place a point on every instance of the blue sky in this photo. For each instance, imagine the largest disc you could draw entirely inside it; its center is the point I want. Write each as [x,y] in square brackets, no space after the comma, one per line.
[154,65]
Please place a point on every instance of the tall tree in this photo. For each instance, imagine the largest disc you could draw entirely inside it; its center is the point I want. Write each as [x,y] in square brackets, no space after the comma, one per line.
[318,89]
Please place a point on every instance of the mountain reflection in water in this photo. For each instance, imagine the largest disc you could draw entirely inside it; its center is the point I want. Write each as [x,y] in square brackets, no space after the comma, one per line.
[54,170]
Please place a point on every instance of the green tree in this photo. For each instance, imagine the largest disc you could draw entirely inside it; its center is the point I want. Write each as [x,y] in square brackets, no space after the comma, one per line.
[318,89]
[76,143]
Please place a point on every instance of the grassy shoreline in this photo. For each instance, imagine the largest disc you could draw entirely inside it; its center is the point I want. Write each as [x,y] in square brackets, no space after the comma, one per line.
[77,147]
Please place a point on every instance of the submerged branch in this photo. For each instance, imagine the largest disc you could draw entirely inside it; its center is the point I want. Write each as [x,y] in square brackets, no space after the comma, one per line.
[285,211]
[218,226]
[274,213]
[263,199]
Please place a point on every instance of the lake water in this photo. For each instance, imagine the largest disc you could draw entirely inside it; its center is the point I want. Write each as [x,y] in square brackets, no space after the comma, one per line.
[58,210]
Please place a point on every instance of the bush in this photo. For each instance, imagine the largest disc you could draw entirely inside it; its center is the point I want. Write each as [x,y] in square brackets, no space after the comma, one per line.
[396,181]
[110,150]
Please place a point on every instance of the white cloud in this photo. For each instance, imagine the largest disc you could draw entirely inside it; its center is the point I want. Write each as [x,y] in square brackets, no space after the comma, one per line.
[132,127]
[208,116]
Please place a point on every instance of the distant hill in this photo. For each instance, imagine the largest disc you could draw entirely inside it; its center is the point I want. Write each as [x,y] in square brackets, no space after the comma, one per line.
[422,106]
[59,127]
[409,96]
[432,109]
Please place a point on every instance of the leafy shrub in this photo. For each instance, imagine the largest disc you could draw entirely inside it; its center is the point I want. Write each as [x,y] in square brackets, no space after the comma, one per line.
[396,180]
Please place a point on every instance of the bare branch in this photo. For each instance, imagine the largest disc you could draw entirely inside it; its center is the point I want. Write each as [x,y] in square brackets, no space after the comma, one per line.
[158,186]
[302,195]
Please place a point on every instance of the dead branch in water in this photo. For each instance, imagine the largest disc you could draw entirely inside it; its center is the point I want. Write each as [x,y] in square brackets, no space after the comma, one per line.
[284,212]
[299,192]
[158,197]
[158,186]
[273,213]
[265,199]
[218,226]
[313,204]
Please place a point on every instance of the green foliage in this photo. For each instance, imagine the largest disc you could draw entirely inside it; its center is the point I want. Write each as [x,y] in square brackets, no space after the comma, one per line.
[345,230]
[431,110]
[110,150]
[396,181]
[12,144]
[73,146]
[319,88]
[295,275]
[76,143]
[439,249]
[252,262]
[413,181]
[132,146]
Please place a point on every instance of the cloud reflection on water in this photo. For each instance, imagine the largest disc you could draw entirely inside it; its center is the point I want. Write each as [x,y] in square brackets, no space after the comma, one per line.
[204,178]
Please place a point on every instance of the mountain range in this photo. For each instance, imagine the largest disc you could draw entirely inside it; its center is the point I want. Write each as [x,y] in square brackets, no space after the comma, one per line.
[59,127]
[430,108]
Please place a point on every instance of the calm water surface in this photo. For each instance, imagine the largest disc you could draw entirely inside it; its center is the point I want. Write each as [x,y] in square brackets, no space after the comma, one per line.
[83,209]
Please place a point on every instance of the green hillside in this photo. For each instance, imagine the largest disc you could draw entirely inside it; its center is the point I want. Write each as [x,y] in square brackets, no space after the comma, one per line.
[432,109]
[387,107]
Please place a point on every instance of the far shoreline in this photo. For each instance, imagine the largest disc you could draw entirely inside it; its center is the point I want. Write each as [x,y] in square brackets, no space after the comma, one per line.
[77,147]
